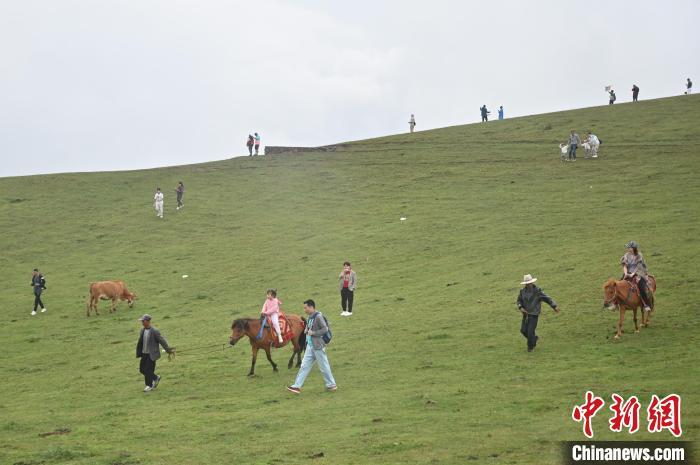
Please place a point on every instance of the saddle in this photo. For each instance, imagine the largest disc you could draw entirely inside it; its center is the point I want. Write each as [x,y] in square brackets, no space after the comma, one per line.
[285,329]
[651,288]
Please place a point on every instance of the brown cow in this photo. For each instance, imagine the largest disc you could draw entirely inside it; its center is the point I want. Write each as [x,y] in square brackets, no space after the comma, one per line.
[109,290]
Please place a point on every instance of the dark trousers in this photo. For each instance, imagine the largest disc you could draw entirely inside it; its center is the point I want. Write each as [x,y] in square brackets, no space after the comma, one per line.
[346,296]
[250,150]
[37,301]
[148,369]
[572,151]
[527,329]
[484,118]
[634,96]
[179,199]
[644,292]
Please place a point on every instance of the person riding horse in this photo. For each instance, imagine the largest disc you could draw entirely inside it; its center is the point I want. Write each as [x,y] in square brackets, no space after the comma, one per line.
[634,267]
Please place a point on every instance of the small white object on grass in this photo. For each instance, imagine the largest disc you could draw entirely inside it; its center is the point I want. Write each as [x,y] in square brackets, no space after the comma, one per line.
[185,276]
[403,218]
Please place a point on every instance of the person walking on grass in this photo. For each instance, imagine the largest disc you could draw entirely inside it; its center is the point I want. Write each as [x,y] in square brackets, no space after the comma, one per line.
[412,123]
[574,142]
[316,328]
[529,303]
[39,285]
[249,144]
[688,87]
[635,92]
[158,202]
[180,191]
[257,143]
[148,350]
[346,283]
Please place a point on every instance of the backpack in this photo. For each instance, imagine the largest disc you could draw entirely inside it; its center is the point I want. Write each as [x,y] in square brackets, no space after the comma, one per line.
[43,281]
[329,334]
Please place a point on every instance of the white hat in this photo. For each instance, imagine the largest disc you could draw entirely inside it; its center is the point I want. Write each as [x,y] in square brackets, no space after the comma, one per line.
[528,279]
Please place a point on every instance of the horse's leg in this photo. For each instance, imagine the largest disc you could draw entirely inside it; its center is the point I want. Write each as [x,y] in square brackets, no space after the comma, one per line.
[269,357]
[636,325]
[295,347]
[619,323]
[255,357]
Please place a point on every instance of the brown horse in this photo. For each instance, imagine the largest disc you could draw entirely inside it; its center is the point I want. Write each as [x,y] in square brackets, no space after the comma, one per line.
[621,295]
[251,327]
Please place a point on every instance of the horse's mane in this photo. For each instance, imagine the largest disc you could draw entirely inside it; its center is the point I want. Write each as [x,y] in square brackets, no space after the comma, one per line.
[241,323]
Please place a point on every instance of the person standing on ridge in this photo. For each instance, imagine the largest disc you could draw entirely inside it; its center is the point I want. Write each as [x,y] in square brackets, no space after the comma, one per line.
[412,123]
[257,143]
[500,113]
[635,92]
[484,114]
[249,144]
[688,87]
[613,97]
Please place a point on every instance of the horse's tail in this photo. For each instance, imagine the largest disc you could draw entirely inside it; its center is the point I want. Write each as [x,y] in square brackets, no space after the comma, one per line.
[302,336]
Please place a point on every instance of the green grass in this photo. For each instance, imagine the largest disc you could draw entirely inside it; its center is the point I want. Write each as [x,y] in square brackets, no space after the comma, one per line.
[431,369]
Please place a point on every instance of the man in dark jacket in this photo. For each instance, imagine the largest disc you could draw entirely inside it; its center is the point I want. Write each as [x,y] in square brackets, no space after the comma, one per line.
[484,114]
[635,92]
[529,303]
[38,284]
[148,350]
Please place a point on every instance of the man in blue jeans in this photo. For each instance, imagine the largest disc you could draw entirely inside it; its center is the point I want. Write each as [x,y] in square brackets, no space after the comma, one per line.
[316,327]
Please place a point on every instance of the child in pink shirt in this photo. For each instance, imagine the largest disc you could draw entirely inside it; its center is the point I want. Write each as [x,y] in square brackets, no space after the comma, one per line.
[271,308]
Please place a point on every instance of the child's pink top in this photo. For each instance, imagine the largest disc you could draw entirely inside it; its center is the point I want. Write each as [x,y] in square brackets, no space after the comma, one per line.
[271,306]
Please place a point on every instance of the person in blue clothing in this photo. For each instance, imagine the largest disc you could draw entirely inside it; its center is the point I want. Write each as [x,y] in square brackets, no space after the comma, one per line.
[500,112]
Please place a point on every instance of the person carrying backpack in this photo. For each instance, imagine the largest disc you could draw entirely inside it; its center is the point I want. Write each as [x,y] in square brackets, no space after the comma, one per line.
[318,335]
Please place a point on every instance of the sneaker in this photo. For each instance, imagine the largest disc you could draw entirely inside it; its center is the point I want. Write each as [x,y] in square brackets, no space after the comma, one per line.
[293,389]
[148,388]
[647,308]
[43,310]
[33,312]
[332,388]
[530,350]
[156,381]
[343,313]
[348,313]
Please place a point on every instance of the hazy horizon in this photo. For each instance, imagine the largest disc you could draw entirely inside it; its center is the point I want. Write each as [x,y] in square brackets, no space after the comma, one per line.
[132,85]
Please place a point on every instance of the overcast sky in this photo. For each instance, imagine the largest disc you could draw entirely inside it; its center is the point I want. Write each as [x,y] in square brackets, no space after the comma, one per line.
[123,84]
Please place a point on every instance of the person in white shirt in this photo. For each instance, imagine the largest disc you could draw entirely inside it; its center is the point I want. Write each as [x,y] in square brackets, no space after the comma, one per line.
[593,144]
[158,202]
[412,123]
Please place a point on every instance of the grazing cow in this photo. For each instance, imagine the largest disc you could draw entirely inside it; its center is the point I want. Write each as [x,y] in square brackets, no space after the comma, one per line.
[109,290]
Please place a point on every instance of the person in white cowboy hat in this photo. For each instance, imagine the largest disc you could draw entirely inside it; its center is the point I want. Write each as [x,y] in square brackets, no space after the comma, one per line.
[529,303]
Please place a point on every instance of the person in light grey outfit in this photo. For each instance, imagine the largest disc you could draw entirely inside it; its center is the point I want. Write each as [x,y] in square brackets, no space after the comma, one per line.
[148,350]
[316,328]
[574,142]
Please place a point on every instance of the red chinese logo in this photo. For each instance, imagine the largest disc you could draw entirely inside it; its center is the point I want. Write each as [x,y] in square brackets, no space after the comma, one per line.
[662,414]
[665,414]
[587,411]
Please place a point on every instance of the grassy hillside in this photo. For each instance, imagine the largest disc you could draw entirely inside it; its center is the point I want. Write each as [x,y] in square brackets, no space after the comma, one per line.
[431,368]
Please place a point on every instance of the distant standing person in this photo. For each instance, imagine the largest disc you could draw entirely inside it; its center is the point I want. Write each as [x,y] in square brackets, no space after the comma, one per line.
[148,350]
[688,87]
[613,97]
[635,92]
[574,142]
[180,191]
[39,285]
[316,328]
[346,284]
[257,143]
[484,114]
[529,303]
[158,202]
[412,123]
[249,144]
[500,112]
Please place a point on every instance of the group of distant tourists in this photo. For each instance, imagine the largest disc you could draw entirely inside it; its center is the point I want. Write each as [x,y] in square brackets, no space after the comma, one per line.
[253,142]
[158,199]
[568,149]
